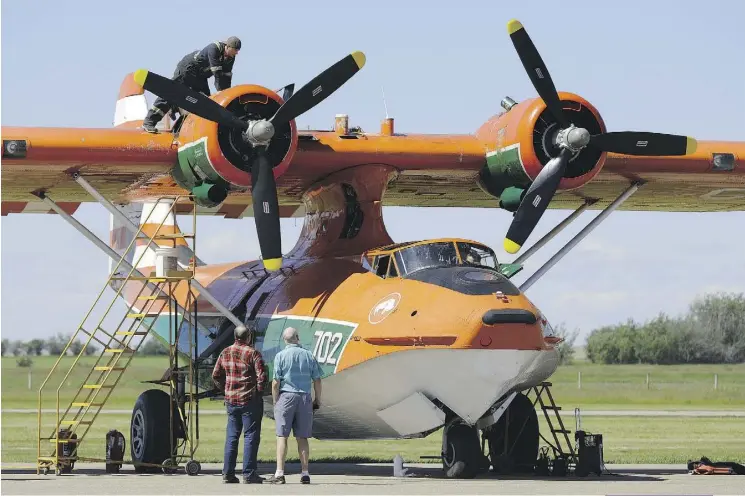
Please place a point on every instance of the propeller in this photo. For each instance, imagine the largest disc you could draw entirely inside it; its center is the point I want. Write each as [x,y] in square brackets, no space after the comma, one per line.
[570,140]
[259,134]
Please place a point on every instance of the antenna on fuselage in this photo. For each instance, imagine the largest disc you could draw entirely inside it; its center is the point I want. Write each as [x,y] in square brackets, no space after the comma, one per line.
[384,104]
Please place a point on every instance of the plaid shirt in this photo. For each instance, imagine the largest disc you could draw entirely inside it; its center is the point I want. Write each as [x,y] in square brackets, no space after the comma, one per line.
[239,372]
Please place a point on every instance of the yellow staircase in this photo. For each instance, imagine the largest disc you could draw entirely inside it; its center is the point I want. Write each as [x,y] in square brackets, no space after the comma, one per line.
[71,424]
[567,451]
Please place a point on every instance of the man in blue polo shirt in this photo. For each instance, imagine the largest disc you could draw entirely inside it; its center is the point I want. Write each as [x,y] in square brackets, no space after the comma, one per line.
[294,370]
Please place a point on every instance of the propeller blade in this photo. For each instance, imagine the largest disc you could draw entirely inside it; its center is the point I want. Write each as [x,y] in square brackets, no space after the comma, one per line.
[181,96]
[537,70]
[320,87]
[535,201]
[643,143]
[266,210]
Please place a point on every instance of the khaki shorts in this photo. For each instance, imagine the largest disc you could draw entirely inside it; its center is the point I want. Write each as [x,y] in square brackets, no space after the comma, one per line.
[294,411]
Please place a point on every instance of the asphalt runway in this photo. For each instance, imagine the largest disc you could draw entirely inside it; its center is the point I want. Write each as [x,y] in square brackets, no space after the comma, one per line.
[343,478]
[585,413]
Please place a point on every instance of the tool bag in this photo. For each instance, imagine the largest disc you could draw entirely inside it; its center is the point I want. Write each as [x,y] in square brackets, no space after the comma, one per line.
[706,467]
[114,451]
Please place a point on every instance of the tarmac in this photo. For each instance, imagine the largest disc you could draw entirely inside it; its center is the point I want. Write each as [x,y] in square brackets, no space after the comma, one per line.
[373,478]
[585,413]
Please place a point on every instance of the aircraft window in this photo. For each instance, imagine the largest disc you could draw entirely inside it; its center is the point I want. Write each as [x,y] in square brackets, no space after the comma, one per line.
[381,268]
[424,256]
[723,161]
[473,254]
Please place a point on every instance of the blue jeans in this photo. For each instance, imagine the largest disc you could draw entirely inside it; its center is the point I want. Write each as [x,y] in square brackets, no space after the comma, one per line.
[246,418]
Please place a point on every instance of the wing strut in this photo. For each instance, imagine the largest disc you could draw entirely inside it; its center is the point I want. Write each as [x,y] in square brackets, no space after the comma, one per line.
[553,232]
[134,229]
[580,235]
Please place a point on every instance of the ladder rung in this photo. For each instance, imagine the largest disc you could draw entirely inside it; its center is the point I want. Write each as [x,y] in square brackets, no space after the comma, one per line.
[47,458]
[104,368]
[561,431]
[549,407]
[96,386]
[119,350]
[60,440]
[172,236]
[152,297]
[131,333]
[84,422]
[136,315]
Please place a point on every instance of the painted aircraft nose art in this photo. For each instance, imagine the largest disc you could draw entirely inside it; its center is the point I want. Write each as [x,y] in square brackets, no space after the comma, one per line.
[384,308]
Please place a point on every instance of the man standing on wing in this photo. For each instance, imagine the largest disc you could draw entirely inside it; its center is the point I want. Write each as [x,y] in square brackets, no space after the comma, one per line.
[294,369]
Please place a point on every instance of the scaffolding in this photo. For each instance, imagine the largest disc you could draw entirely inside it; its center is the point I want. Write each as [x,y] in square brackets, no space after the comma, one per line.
[153,297]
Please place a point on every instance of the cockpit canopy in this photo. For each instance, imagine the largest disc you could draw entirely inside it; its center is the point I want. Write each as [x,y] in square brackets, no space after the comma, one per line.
[402,259]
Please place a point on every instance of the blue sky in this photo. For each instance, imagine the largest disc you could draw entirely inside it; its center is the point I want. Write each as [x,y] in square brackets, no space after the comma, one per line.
[666,66]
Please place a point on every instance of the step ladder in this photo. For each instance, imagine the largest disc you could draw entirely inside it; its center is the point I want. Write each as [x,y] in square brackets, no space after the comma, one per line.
[565,451]
[118,348]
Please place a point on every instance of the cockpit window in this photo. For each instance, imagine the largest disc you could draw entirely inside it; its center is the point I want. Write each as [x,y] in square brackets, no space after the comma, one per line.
[425,256]
[407,258]
[473,254]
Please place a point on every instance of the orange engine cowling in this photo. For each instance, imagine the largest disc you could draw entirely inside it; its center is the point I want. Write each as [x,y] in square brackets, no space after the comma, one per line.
[521,141]
[215,158]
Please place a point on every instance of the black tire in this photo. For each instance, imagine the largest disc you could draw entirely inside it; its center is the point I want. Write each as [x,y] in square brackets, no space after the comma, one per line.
[149,438]
[462,457]
[193,467]
[521,453]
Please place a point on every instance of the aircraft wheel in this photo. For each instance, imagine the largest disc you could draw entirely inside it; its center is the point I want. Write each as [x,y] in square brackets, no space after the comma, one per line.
[462,456]
[149,438]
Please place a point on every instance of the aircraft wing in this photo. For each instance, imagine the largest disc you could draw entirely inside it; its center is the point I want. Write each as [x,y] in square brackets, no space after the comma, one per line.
[432,170]
[444,171]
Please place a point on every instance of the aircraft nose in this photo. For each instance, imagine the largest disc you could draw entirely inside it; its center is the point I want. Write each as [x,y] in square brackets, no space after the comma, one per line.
[508,328]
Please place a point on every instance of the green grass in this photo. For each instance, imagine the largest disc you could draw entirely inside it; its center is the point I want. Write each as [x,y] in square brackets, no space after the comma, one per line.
[626,440]
[603,386]
[670,386]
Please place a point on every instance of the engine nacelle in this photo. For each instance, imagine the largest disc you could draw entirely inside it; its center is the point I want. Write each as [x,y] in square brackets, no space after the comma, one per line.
[521,141]
[214,159]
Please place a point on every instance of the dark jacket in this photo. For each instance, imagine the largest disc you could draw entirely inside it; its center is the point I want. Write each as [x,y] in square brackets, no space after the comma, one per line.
[209,61]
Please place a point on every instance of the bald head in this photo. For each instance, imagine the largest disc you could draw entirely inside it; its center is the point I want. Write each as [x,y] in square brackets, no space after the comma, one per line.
[241,333]
[290,335]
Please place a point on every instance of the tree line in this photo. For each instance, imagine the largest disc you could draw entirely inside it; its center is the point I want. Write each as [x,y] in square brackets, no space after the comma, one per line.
[712,331]
[55,345]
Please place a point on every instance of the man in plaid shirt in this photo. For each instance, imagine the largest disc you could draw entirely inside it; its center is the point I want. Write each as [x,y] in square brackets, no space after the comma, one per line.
[241,374]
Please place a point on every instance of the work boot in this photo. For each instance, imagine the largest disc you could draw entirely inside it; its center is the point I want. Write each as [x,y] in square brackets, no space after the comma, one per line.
[150,128]
[253,479]
[230,479]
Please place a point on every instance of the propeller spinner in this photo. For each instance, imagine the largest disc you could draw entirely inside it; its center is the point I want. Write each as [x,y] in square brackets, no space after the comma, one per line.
[258,134]
[571,139]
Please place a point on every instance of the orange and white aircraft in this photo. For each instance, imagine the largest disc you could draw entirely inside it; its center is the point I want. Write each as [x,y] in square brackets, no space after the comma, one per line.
[412,336]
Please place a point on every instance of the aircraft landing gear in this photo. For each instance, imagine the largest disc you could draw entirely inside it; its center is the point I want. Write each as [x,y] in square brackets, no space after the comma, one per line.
[513,440]
[462,457]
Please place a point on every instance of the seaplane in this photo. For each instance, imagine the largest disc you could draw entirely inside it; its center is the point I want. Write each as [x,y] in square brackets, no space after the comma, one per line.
[412,337]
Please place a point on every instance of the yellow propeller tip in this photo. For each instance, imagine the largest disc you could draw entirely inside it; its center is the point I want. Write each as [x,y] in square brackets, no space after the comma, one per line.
[139,76]
[359,58]
[272,264]
[510,246]
[514,25]
[691,145]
